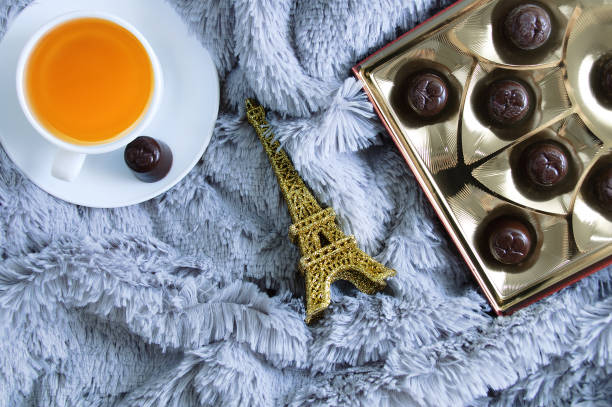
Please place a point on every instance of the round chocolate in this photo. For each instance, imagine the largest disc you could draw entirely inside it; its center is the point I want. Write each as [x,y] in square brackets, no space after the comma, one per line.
[603,189]
[546,164]
[510,241]
[603,79]
[150,160]
[606,78]
[527,26]
[427,94]
[508,102]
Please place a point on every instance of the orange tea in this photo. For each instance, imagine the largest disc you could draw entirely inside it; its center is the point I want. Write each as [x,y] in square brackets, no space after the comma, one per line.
[89,81]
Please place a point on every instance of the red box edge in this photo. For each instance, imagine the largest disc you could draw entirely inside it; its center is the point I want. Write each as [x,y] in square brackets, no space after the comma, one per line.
[356,67]
[558,286]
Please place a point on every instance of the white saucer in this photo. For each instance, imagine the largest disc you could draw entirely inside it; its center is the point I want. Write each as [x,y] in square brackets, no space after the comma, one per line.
[185,119]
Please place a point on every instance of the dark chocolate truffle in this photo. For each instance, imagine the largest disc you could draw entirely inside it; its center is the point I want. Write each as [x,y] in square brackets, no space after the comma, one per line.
[546,164]
[603,189]
[510,240]
[150,160]
[508,102]
[606,78]
[427,94]
[601,81]
[527,26]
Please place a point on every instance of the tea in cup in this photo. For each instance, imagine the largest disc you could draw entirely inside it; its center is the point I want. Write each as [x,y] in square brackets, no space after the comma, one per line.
[89,83]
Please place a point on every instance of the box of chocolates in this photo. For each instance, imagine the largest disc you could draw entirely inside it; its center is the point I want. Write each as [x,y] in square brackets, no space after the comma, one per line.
[503,110]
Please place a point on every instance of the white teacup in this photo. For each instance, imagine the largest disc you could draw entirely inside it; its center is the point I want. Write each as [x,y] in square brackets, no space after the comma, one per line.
[70,157]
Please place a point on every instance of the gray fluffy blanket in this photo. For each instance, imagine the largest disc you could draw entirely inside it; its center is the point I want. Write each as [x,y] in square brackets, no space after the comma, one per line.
[194,299]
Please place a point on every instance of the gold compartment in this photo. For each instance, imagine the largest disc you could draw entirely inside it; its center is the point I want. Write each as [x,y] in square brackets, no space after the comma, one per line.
[498,176]
[477,35]
[480,141]
[464,165]
[592,229]
[588,40]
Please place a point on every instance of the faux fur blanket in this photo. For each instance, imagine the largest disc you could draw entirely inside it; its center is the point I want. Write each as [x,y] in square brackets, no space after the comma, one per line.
[194,297]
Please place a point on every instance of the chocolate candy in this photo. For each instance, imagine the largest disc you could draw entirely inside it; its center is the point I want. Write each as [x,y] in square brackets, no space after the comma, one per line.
[527,26]
[601,79]
[606,78]
[427,94]
[508,102]
[603,189]
[510,240]
[150,160]
[546,164]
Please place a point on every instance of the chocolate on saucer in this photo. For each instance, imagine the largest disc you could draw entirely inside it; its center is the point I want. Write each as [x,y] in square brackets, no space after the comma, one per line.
[508,102]
[427,94]
[510,240]
[149,159]
[527,26]
[546,164]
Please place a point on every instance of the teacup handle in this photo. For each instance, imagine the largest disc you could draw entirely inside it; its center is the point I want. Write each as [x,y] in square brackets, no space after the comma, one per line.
[67,165]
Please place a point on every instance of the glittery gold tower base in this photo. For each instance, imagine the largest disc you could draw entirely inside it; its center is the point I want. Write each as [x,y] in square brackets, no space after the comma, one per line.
[327,253]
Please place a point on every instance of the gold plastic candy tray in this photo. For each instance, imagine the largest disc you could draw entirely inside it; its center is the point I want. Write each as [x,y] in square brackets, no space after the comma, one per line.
[467,168]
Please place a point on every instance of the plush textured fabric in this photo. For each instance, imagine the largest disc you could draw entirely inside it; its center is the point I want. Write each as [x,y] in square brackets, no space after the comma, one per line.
[194,298]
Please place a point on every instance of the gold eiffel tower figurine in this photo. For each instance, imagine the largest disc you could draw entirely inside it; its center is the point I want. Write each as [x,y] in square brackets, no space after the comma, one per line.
[327,253]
